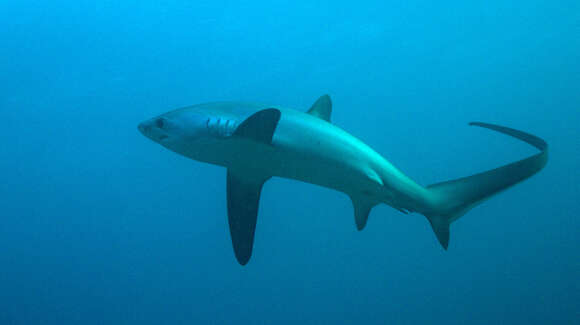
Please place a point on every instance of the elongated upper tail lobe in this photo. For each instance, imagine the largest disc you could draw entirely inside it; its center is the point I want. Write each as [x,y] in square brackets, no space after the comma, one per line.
[454,198]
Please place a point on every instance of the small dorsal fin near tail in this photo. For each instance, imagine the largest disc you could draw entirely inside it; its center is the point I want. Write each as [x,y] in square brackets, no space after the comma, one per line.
[454,198]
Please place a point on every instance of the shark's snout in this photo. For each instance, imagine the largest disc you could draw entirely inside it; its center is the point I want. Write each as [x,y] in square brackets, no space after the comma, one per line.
[145,128]
[153,129]
[142,126]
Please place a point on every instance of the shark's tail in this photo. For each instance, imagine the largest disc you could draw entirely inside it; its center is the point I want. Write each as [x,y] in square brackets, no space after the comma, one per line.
[454,198]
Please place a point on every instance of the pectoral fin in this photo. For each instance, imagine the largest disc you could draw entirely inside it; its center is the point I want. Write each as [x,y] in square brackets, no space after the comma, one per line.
[260,126]
[243,195]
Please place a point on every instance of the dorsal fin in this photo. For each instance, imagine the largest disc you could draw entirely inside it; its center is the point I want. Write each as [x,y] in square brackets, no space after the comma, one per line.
[322,108]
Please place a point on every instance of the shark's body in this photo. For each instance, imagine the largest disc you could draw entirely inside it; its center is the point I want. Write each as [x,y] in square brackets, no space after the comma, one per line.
[256,142]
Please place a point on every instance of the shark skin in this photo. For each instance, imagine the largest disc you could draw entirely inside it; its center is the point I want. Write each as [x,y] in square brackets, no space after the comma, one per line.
[256,142]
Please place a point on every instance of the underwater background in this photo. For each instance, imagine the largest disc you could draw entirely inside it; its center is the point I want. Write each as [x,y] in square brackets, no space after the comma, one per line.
[99,225]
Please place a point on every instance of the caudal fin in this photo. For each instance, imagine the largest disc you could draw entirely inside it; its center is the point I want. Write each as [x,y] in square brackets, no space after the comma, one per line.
[454,198]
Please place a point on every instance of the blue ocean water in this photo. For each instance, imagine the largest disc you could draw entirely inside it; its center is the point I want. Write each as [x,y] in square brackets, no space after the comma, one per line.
[101,226]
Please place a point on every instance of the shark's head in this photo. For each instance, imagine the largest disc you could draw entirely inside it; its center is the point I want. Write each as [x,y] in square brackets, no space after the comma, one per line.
[175,127]
[196,131]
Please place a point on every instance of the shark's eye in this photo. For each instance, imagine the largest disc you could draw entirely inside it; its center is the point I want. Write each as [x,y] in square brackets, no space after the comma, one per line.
[160,123]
